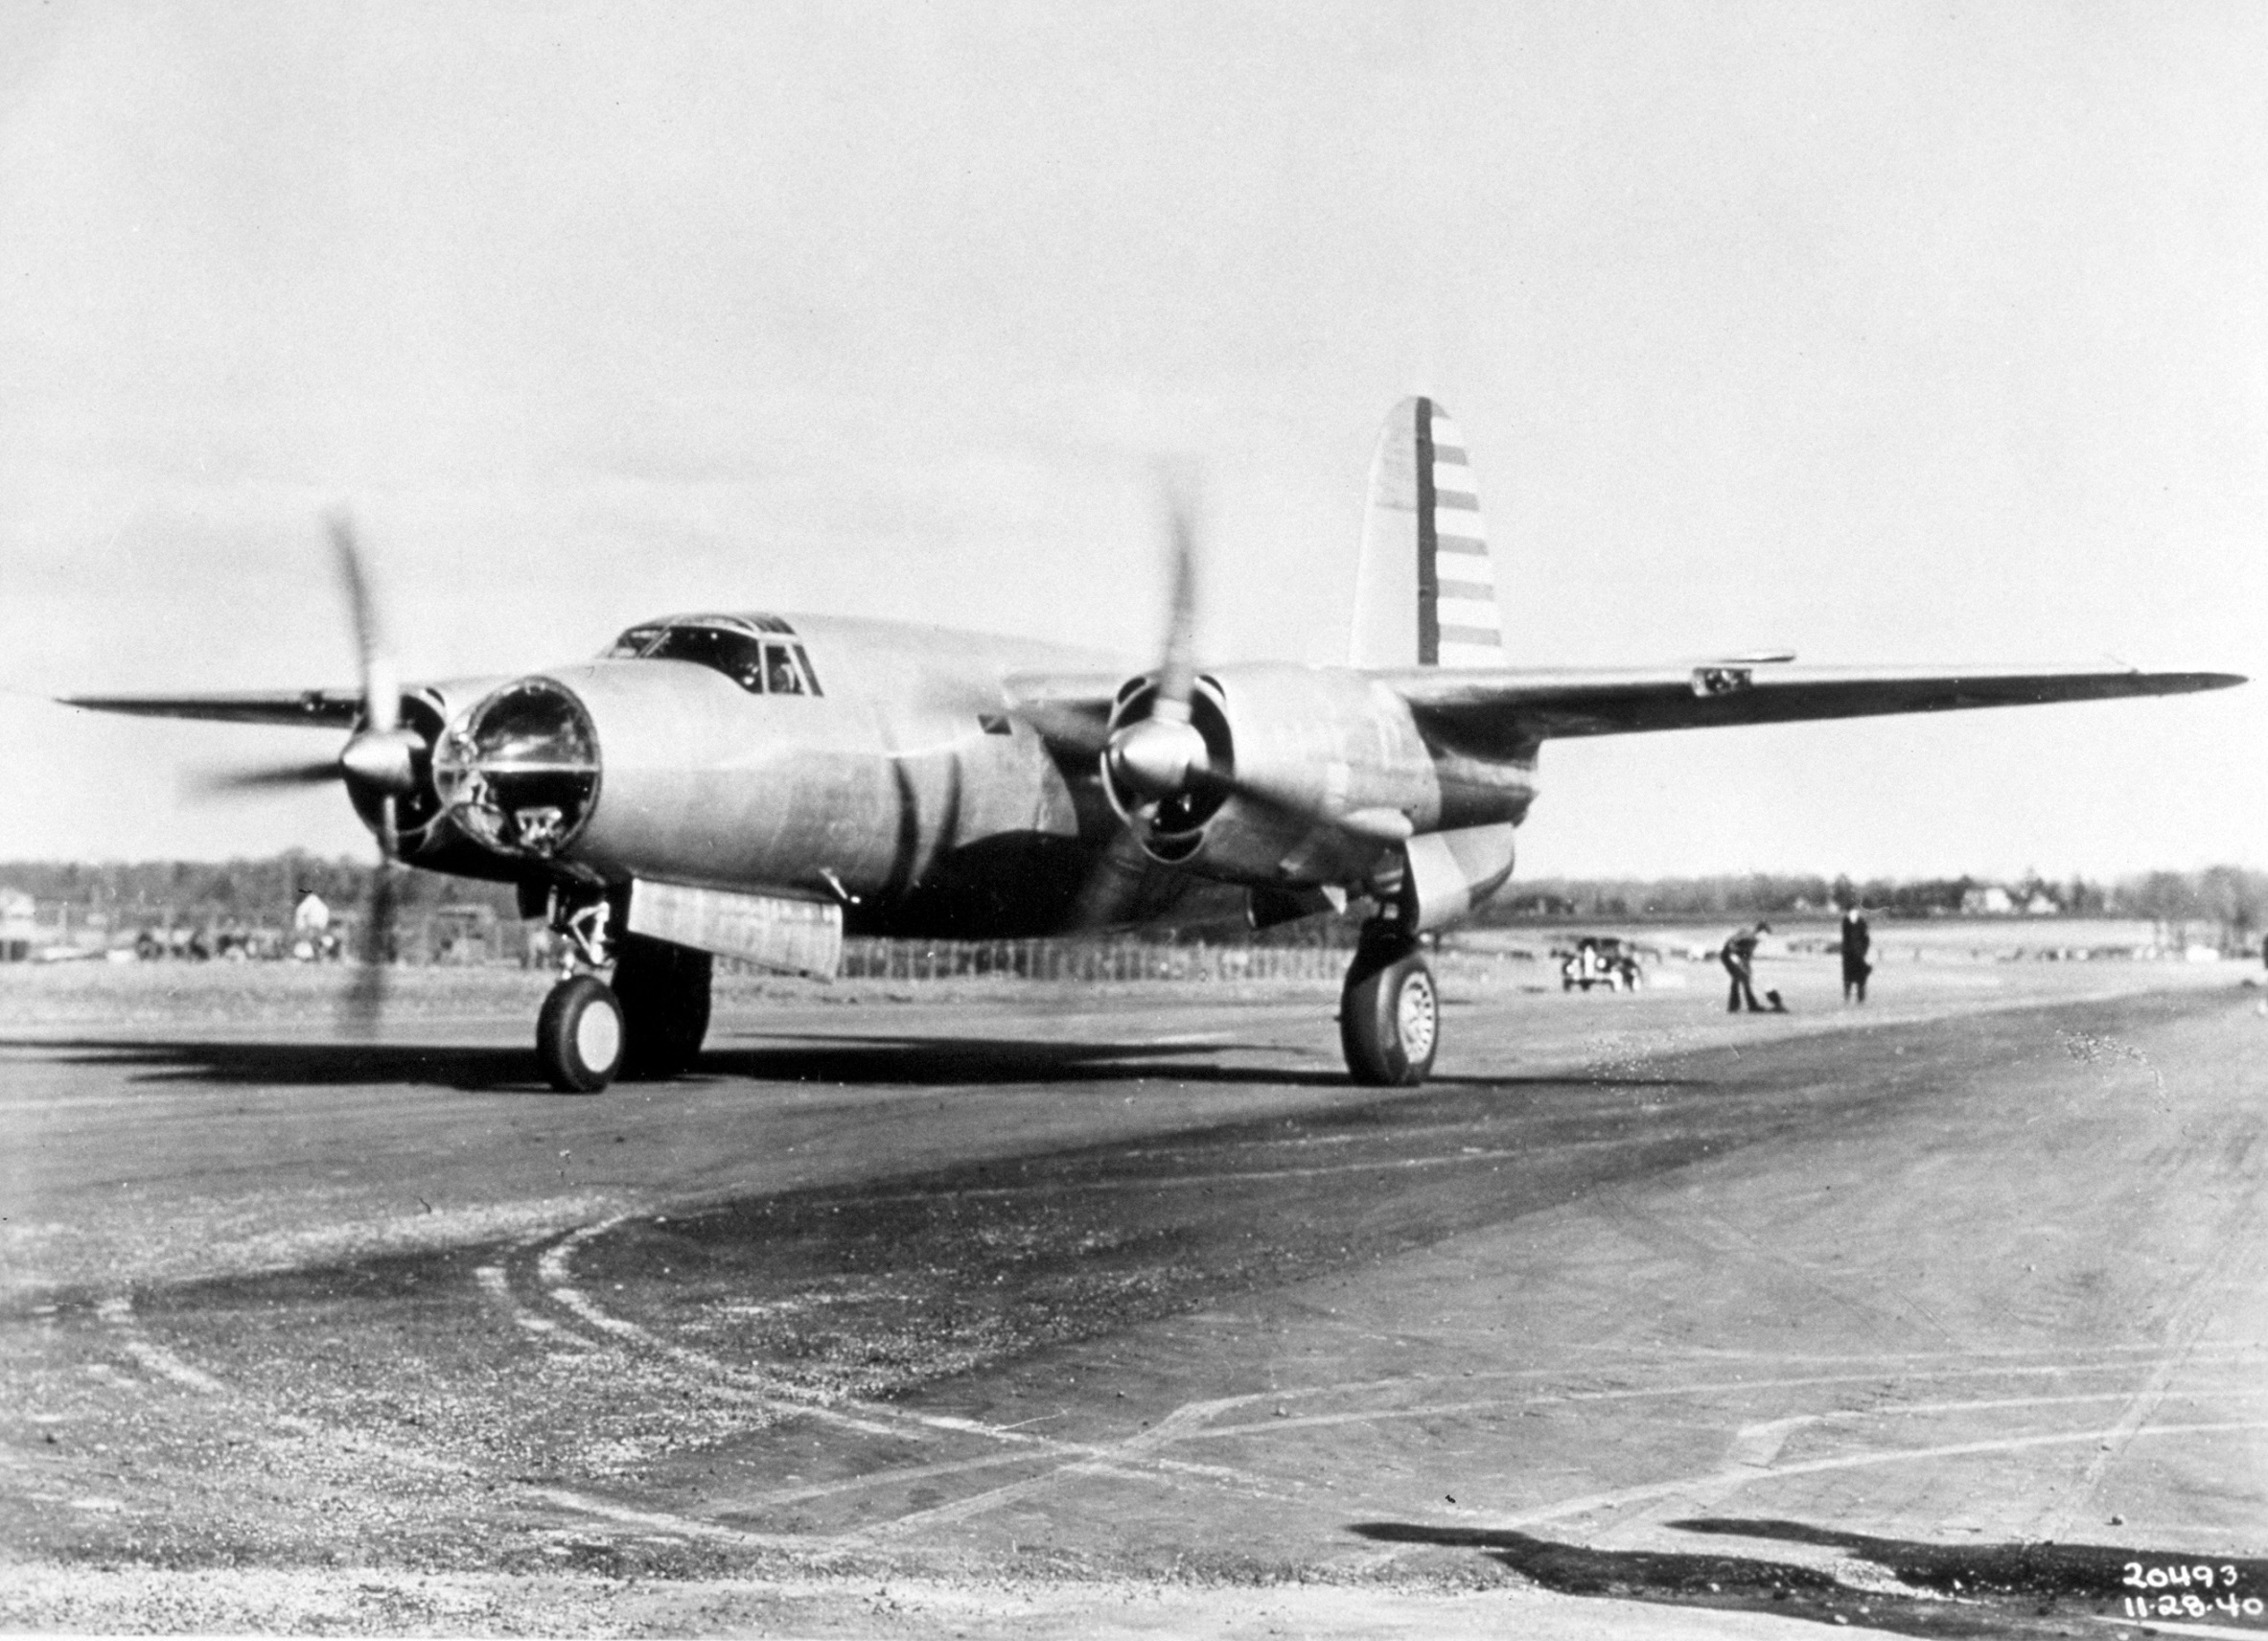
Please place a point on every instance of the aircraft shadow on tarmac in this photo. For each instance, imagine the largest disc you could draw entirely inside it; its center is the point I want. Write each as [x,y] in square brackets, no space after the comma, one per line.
[910,1060]
[1959,1590]
[300,1064]
[859,1060]
[924,1060]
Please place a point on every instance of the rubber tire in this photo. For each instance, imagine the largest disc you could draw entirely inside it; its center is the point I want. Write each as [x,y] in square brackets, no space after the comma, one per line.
[1389,1015]
[663,989]
[567,1036]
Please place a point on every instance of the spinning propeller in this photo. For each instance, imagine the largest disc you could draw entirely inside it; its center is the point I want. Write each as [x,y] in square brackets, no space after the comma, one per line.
[1149,760]
[376,763]
[377,766]
[1163,773]
[1163,756]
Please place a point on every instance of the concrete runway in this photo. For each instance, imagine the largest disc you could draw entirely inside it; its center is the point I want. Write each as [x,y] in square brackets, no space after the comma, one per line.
[1119,1312]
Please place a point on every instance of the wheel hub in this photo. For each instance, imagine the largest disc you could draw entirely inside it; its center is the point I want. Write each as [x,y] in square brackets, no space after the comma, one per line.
[1417,1016]
[598,1036]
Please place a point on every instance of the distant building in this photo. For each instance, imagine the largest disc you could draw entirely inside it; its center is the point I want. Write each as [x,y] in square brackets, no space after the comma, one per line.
[17,932]
[464,932]
[1987,900]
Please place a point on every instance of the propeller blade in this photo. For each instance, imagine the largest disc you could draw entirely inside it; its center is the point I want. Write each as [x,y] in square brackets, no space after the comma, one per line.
[1177,672]
[1113,887]
[378,759]
[366,994]
[382,689]
[389,833]
[221,783]
[1380,826]
[1086,734]
[380,756]
[1156,754]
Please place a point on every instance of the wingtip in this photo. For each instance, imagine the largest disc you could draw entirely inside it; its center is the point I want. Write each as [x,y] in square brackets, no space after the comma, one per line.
[131,705]
[2201,681]
[2166,680]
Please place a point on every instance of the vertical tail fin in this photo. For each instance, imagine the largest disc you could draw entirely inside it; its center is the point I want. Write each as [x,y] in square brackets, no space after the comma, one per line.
[1426,591]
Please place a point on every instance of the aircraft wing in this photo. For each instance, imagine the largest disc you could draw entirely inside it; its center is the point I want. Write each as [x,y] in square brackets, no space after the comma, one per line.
[339,709]
[1070,711]
[1504,712]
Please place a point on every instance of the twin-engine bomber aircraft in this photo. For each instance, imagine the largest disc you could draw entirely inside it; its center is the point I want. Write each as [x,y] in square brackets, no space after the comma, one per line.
[756,786]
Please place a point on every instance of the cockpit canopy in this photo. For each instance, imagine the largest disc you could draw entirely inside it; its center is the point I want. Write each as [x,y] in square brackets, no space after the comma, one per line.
[758,653]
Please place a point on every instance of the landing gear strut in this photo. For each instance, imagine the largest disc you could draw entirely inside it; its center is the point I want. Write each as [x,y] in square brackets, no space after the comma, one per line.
[1390,1012]
[648,1024]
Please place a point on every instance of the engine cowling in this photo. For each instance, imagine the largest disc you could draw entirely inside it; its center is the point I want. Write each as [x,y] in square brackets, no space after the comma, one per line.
[1296,743]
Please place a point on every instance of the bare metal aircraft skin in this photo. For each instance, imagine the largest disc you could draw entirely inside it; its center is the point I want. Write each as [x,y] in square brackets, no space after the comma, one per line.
[755,785]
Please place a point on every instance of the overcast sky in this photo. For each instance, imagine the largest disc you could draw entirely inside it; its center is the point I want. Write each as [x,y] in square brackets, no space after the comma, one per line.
[1902,332]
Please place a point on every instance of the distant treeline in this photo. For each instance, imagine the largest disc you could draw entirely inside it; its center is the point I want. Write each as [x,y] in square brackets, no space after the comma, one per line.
[2224,894]
[250,891]
[257,892]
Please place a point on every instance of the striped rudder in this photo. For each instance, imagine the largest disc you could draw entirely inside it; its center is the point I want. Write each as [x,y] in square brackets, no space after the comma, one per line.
[1425,592]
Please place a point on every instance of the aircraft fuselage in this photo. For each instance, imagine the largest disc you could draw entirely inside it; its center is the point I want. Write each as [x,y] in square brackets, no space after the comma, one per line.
[888,777]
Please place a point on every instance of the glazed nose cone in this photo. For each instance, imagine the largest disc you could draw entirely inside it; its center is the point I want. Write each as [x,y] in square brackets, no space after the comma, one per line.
[521,774]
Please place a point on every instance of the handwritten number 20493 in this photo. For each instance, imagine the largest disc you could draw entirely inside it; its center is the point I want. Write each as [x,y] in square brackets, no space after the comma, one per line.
[2200,1575]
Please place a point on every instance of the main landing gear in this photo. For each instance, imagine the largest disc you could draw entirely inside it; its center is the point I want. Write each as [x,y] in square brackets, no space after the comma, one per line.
[1390,1011]
[648,1024]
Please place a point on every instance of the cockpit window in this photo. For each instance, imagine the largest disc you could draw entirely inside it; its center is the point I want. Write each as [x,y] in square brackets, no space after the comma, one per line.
[735,655]
[632,644]
[759,667]
[781,675]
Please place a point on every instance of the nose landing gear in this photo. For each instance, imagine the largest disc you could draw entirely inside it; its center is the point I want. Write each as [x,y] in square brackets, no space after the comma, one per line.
[649,1023]
[579,1034]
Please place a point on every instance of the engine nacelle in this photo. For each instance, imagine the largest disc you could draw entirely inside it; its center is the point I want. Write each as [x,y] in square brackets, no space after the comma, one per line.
[1314,742]
[427,836]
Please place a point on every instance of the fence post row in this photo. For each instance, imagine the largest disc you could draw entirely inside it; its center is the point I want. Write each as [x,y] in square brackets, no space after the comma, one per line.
[1087,962]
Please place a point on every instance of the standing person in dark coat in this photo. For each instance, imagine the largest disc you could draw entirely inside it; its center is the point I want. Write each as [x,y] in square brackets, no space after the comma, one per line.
[1856,942]
[1738,957]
